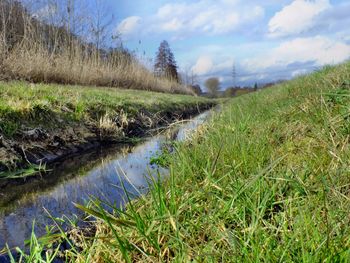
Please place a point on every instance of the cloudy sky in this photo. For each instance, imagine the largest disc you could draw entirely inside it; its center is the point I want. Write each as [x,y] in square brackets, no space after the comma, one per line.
[266,40]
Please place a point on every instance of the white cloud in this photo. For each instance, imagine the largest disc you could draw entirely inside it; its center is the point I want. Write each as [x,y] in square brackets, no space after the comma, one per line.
[46,12]
[203,65]
[201,17]
[320,50]
[296,17]
[299,72]
[346,38]
[173,25]
[210,17]
[129,25]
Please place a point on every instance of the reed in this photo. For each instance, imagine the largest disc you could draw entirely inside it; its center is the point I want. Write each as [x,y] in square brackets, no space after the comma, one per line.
[43,51]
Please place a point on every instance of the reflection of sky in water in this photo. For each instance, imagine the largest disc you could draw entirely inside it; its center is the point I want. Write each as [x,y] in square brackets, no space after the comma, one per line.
[184,133]
[105,182]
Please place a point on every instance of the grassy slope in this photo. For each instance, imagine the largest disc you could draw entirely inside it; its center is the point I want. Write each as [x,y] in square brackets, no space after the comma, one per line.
[21,102]
[266,180]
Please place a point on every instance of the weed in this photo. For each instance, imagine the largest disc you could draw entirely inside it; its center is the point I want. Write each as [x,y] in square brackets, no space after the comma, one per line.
[8,128]
[268,181]
[53,106]
[108,127]
[42,52]
[161,159]
[32,170]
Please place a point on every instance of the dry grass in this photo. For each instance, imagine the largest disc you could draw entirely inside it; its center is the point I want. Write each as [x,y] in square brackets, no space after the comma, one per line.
[43,53]
[107,127]
[35,64]
[267,181]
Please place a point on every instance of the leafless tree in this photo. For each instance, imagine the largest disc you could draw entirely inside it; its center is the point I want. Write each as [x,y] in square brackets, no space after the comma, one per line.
[212,85]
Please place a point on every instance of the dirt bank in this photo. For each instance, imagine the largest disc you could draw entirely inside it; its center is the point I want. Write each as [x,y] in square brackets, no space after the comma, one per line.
[40,144]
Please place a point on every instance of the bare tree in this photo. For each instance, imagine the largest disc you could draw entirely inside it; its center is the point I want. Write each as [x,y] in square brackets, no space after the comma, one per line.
[212,85]
[189,78]
[100,23]
[12,24]
[193,78]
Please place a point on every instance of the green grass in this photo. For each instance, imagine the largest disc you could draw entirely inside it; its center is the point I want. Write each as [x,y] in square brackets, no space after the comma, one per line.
[49,105]
[32,170]
[35,116]
[266,180]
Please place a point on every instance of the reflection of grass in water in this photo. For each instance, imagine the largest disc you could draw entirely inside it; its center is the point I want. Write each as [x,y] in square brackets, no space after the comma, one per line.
[267,181]
[30,190]
[32,170]
[162,158]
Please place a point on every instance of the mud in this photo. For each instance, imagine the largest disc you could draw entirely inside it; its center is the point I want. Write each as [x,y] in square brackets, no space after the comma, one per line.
[39,145]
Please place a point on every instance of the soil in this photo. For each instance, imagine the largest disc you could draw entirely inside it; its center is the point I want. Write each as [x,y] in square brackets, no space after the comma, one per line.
[44,146]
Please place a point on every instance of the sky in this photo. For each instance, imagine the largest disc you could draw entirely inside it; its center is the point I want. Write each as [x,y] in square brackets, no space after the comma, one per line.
[265,40]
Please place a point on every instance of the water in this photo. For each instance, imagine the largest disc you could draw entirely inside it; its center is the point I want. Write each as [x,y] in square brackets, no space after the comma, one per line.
[100,173]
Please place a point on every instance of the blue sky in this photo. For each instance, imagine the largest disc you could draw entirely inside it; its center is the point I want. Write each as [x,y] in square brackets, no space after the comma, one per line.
[266,40]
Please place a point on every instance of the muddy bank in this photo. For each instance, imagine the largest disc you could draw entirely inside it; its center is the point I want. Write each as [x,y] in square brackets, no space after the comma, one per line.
[106,173]
[19,191]
[39,144]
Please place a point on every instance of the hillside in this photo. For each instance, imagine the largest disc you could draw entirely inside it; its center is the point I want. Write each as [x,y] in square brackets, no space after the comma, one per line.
[55,49]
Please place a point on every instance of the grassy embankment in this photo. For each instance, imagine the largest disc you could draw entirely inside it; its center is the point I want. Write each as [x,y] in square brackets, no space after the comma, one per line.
[43,121]
[266,180]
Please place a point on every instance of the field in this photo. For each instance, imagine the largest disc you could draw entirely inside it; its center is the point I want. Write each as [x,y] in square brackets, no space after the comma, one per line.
[266,179]
[34,115]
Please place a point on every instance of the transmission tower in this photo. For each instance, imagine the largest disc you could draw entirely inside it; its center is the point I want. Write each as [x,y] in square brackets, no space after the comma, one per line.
[234,75]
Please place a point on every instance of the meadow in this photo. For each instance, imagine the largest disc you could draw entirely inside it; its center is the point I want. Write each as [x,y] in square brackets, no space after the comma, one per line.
[47,119]
[266,180]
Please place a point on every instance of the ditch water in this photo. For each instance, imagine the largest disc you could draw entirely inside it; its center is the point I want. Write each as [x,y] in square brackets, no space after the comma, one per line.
[100,173]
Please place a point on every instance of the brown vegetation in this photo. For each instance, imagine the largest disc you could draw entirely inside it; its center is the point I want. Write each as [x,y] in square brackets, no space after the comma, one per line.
[212,85]
[49,50]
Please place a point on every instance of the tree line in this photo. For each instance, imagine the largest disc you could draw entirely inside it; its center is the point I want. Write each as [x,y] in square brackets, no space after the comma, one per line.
[165,66]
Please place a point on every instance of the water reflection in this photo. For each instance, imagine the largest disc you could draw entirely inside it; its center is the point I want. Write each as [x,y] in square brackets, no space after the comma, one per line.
[102,176]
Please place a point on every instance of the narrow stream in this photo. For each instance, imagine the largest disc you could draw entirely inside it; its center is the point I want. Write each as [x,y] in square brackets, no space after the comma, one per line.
[100,173]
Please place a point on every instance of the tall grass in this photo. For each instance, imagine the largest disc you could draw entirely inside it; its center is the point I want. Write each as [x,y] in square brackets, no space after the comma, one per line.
[267,180]
[49,52]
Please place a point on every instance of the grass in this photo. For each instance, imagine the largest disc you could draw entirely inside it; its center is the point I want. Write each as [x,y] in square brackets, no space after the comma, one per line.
[32,170]
[22,103]
[48,51]
[37,65]
[48,118]
[266,180]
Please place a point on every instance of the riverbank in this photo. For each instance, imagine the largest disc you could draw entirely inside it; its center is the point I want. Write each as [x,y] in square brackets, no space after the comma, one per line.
[266,180]
[46,123]
[102,173]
